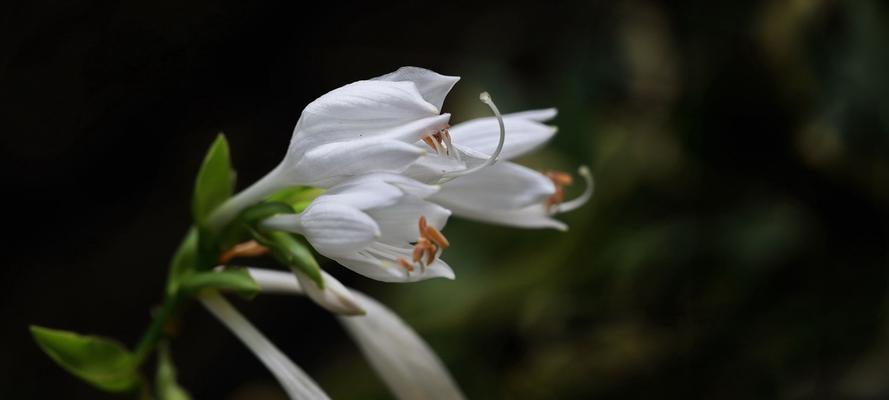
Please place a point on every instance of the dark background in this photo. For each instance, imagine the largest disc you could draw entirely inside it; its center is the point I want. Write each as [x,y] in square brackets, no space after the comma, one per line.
[736,246]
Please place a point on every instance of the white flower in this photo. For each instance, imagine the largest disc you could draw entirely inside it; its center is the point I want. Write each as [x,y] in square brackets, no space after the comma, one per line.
[378,225]
[366,126]
[508,193]
[461,158]
[403,360]
[296,383]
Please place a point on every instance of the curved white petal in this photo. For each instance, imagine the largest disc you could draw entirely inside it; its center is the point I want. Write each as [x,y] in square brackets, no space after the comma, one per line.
[331,228]
[398,224]
[374,181]
[483,134]
[335,297]
[402,359]
[502,186]
[533,216]
[329,164]
[539,115]
[433,86]
[365,109]
[296,383]
[430,168]
[387,269]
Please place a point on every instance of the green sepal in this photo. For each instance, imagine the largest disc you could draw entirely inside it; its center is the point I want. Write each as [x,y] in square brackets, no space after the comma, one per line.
[289,251]
[215,182]
[253,215]
[236,280]
[165,380]
[298,197]
[104,363]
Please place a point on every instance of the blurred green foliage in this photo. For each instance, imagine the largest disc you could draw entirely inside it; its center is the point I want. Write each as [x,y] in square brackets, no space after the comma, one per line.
[736,244]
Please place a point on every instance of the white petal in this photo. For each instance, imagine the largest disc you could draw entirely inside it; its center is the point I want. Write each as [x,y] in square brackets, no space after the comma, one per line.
[403,184]
[332,163]
[399,223]
[430,168]
[365,109]
[332,229]
[482,135]
[540,115]
[296,383]
[387,269]
[362,194]
[403,360]
[334,297]
[502,186]
[533,216]
[433,86]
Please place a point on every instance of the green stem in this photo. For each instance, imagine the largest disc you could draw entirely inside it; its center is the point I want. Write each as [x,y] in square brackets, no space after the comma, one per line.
[155,331]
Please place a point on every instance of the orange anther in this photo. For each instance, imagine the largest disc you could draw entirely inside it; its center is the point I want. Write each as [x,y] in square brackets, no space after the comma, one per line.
[436,237]
[422,224]
[560,178]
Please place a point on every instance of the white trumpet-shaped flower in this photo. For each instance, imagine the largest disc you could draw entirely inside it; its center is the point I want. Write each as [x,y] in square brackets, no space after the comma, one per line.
[366,126]
[296,383]
[508,193]
[378,225]
[503,193]
[408,366]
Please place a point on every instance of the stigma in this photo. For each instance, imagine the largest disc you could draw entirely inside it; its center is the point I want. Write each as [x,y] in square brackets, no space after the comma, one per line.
[429,245]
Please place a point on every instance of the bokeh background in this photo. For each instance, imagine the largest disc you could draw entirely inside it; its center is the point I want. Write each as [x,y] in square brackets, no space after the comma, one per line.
[736,246]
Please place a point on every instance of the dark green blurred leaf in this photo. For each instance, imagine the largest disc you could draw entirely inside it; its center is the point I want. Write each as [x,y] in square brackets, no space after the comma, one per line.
[102,362]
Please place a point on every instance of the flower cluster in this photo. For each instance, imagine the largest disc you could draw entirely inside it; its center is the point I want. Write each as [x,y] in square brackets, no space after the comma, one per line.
[372,173]
[393,171]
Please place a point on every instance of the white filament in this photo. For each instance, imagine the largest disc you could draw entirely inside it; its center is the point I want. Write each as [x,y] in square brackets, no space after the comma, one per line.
[296,383]
[485,98]
[576,203]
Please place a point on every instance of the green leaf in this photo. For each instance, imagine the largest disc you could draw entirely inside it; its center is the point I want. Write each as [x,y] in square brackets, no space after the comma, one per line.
[215,182]
[184,261]
[102,362]
[165,380]
[237,280]
[291,252]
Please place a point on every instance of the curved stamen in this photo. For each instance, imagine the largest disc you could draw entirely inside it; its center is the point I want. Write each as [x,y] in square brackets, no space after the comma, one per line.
[485,98]
[576,203]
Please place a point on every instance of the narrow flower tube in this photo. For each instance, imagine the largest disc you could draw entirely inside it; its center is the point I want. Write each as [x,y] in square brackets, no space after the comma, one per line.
[378,225]
[405,362]
[296,383]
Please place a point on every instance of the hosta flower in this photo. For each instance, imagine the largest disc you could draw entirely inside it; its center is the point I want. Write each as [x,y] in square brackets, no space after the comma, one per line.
[366,126]
[378,225]
[508,193]
[408,366]
[461,157]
